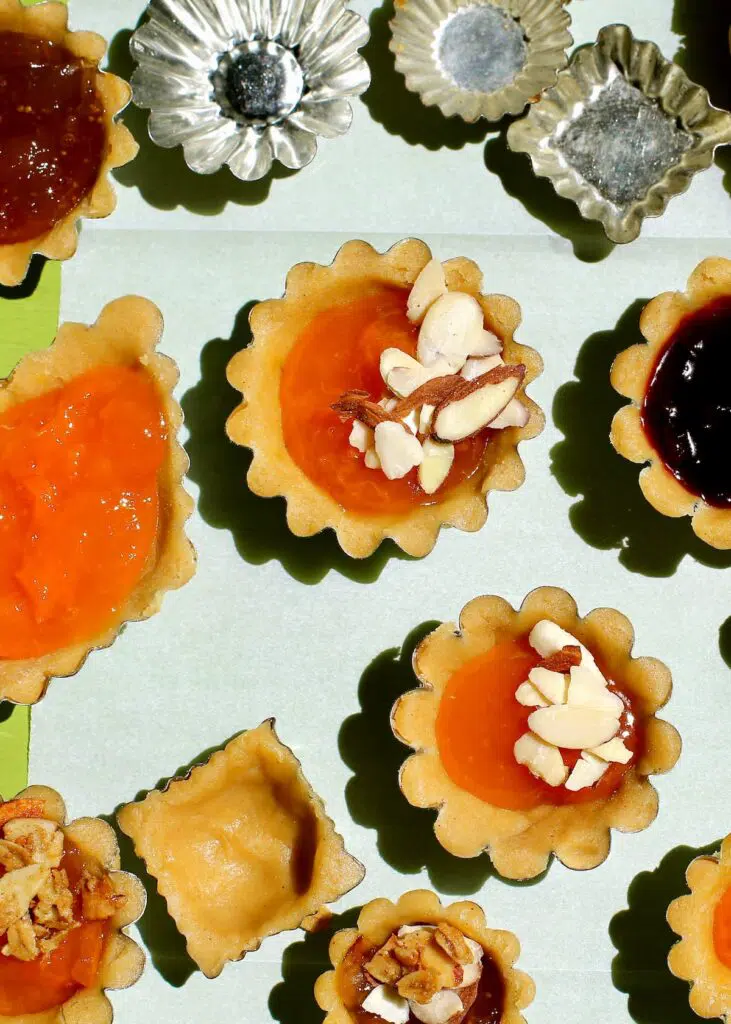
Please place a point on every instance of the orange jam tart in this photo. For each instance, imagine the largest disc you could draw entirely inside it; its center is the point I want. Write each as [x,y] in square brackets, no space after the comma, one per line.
[480,721]
[55,909]
[722,928]
[79,498]
[54,137]
[339,351]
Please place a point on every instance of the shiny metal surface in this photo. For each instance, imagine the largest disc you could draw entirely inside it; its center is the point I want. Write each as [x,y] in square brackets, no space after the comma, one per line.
[621,132]
[480,58]
[247,82]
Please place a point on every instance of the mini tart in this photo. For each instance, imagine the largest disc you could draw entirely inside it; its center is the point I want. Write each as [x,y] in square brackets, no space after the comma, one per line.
[257,423]
[241,848]
[125,335]
[521,842]
[122,960]
[50,21]
[694,958]
[631,374]
[381,918]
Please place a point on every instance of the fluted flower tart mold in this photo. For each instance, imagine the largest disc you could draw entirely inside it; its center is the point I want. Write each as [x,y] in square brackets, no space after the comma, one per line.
[245,84]
[381,918]
[122,960]
[49,21]
[276,324]
[126,334]
[694,957]
[521,842]
[631,374]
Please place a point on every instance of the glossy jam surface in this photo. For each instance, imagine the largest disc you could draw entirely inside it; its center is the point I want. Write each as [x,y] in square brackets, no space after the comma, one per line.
[79,507]
[340,351]
[686,413]
[722,929]
[479,722]
[34,986]
[53,136]
[354,986]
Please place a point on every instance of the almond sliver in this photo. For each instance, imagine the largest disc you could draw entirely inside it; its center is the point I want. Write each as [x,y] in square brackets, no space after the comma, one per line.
[574,728]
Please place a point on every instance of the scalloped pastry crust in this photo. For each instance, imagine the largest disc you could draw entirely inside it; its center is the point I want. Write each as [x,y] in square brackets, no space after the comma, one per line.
[50,21]
[256,424]
[631,374]
[380,918]
[241,848]
[694,958]
[520,843]
[122,961]
[126,333]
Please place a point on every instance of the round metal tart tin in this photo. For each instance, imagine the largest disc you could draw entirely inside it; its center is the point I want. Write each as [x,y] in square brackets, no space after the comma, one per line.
[245,83]
[480,58]
[622,132]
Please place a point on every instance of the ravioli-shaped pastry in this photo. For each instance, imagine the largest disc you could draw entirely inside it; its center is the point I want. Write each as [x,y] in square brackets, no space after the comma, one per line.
[241,848]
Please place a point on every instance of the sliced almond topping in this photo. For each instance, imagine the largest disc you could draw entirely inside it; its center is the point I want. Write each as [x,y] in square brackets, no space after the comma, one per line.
[425,418]
[587,771]
[475,367]
[430,285]
[475,403]
[371,459]
[384,967]
[614,750]
[452,941]
[436,465]
[447,971]
[488,344]
[530,696]
[361,436]
[563,660]
[411,422]
[17,890]
[515,414]
[442,1008]
[451,330]
[419,986]
[409,946]
[358,405]
[397,448]
[431,392]
[588,690]
[553,685]
[575,728]
[396,358]
[542,759]
[547,637]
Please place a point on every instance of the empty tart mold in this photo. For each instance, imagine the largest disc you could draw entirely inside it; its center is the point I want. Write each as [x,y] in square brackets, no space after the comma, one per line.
[416,960]
[534,732]
[703,922]
[245,84]
[384,396]
[64,907]
[484,59]
[678,423]
[92,531]
[621,132]
[241,848]
[59,133]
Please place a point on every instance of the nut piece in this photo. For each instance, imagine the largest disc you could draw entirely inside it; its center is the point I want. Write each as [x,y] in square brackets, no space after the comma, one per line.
[547,637]
[530,696]
[361,436]
[488,344]
[435,465]
[614,750]
[419,986]
[451,330]
[541,759]
[475,367]
[384,967]
[589,690]
[371,459]
[386,1003]
[552,685]
[358,405]
[440,1009]
[587,770]
[429,286]
[452,941]
[515,414]
[397,448]
[575,728]
[18,889]
[563,660]
[476,403]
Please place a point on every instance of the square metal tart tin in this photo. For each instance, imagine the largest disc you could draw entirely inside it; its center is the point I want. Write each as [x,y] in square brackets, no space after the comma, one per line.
[480,58]
[622,132]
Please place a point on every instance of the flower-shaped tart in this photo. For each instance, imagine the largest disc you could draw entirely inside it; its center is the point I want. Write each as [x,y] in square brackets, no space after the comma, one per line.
[416,960]
[93,508]
[535,732]
[678,421]
[703,922]
[384,396]
[241,848]
[64,905]
[244,84]
[60,138]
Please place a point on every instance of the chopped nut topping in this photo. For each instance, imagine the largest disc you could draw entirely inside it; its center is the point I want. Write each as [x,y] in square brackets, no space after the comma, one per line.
[21,940]
[452,941]
[98,898]
[384,967]
[13,855]
[420,986]
[408,948]
[358,405]
[41,838]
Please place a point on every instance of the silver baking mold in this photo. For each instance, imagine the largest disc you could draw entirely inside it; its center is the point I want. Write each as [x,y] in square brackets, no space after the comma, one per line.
[480,58]
[247,82]
[622,132]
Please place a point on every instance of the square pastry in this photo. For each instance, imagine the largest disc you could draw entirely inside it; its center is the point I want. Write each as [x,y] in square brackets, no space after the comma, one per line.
[241,848]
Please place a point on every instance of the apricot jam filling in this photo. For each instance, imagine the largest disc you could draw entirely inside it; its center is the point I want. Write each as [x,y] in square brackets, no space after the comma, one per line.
[339,351]
[79,507]
[53,134]
[479,722]
[722,929]
[63,954]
